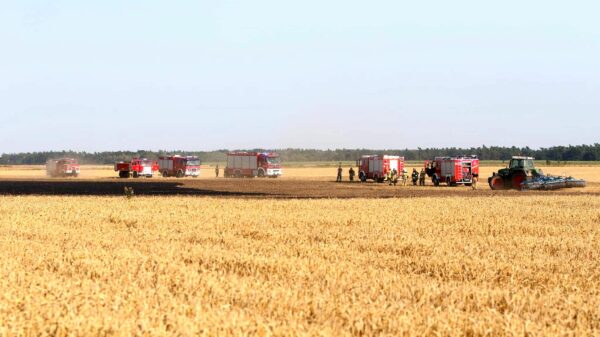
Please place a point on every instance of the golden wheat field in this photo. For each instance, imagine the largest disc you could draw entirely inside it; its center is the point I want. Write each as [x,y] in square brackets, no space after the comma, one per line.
[504,265]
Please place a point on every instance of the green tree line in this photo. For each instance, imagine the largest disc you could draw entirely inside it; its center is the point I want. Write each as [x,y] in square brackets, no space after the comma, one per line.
[555,153]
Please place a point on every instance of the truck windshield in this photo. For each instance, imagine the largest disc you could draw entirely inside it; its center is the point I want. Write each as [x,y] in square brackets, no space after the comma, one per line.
[273,160]
[193,162]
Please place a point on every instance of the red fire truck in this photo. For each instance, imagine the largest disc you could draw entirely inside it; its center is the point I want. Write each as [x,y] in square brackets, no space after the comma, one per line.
[453,170]
[377,167]
[64,167]
[137,167]
[253,164]
[179,166]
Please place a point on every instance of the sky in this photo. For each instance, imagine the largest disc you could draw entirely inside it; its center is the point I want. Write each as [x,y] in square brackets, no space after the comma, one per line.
[204,75]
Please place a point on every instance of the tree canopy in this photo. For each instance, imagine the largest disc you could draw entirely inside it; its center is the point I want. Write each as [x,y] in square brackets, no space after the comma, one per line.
[555,153]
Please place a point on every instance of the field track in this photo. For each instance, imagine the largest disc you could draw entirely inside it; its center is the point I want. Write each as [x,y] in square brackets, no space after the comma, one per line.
[258,188]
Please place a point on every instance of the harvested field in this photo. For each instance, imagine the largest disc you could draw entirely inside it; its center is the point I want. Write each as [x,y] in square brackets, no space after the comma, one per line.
[256,188]
[297,183]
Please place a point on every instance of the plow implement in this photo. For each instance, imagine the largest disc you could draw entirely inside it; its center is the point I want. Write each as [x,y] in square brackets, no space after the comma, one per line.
[552,183]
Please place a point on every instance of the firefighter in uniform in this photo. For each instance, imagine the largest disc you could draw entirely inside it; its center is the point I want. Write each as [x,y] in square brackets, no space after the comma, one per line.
[404,176]
[422,177]
[217,171]
[394,177]
[415,176]
[339,174]
[351,174]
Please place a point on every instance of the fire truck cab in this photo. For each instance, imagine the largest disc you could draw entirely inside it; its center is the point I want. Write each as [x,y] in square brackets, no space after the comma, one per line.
[137,167]
[253,164]
[179,166]
[64,167]
[376,167]
[453,170]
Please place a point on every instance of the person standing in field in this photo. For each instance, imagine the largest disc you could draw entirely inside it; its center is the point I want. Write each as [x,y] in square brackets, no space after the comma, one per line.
[422,177]
[351,174]
[415,176]
[217,171]
[404,176]
[339,174]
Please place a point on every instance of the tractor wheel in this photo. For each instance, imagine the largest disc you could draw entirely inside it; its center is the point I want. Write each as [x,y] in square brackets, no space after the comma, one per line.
[517,180]
[497,183]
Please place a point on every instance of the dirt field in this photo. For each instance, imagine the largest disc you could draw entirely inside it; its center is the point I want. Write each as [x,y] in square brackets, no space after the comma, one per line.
[295,257]
[296,183]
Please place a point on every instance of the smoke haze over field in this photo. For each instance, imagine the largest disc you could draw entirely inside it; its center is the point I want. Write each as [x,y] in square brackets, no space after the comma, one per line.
[111,75]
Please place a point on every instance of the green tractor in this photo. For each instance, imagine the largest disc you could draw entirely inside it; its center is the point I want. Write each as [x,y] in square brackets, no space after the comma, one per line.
[519,170]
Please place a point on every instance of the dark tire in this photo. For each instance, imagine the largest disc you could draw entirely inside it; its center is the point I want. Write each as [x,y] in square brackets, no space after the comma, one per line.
[497,183]
[165,173]
[123,174]
[261,173]
[136,174]
[179,174]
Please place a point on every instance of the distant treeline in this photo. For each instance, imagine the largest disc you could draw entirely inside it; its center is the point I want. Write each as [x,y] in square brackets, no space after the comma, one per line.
[555,153]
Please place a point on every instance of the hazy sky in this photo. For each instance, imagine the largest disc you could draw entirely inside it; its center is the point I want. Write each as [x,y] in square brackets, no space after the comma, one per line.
[109,75]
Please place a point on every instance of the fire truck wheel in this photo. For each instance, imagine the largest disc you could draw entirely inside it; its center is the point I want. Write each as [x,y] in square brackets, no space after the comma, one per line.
[165,173]
[136,174]
[123,174]
[261,173]
[180,174]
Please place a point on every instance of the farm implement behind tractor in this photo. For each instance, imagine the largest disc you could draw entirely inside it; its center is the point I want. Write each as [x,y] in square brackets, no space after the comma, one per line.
[521,174]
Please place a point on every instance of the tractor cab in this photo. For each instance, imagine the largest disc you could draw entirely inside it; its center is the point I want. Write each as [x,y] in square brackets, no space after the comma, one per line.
[523,163]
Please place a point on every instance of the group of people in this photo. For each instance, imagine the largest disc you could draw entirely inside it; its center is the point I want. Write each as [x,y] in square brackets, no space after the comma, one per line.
[340,171]
[392,177]
[420,177]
